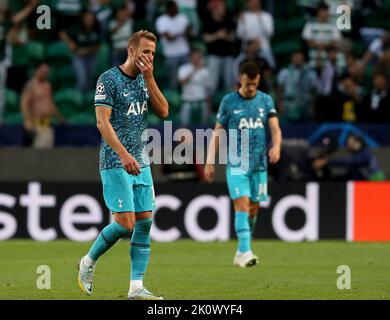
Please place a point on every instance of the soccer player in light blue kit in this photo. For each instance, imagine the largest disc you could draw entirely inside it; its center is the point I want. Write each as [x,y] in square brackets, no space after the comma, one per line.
[249,113]
[121,104]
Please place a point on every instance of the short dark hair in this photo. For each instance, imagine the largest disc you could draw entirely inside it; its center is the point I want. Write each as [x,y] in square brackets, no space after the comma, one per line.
[250,68]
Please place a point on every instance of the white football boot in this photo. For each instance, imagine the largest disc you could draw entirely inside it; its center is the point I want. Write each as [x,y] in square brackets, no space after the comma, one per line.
[85,277]
[143,294]
[245,259]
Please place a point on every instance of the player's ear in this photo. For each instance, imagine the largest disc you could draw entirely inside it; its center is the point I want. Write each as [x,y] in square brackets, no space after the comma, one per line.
[130,52]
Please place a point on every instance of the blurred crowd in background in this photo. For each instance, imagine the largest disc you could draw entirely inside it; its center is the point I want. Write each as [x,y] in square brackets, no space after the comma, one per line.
[315,70]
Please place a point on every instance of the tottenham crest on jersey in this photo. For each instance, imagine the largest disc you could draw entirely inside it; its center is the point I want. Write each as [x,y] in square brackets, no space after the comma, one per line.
[261,112]
[146,92]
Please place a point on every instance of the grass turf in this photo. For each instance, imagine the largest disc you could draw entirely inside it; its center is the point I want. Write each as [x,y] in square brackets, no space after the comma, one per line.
[189,270]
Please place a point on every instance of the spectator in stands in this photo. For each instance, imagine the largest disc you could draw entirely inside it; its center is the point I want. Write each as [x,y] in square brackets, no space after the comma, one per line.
[18,39]
[329,73]
[67,13]
[383,64]
[252,52]
[120,29]
[355,67]
[174,29]
[189,8]
[319,35]
[194,78]
[376,48]
[26,15]
[84,41]
[346,100]
[218,34]
[38,109]
[327,83]
[4,27]
[361,164]
[103,10]
[376,105]
[255,23]
[296,88]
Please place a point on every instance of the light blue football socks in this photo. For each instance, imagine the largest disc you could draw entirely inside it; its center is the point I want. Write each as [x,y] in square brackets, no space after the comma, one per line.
[241,226]
[252,223]
[106,239]
[140,248]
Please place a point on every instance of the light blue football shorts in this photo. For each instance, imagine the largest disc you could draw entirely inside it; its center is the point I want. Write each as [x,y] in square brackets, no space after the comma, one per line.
[251,184]
[124,192]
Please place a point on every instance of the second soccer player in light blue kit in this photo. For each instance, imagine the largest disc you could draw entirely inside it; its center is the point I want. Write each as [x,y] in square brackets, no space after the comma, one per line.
[248,113]
[122,97]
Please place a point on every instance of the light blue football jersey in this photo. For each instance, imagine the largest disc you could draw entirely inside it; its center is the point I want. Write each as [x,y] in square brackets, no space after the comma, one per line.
[248,117]
[128,98]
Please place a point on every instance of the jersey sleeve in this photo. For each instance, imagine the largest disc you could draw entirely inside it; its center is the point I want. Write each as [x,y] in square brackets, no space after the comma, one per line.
[223,113]
[271,108]
[104,95]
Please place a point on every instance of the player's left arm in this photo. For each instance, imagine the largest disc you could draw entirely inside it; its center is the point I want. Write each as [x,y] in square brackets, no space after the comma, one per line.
[159,103]
[276,135]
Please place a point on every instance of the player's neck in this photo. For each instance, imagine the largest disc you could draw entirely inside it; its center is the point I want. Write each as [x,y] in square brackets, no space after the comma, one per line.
[129,69]
[243,96]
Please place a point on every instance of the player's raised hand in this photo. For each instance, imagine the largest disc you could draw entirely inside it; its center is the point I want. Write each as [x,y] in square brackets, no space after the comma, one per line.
[209,172]
[274,154]
[130,164]
[145,65]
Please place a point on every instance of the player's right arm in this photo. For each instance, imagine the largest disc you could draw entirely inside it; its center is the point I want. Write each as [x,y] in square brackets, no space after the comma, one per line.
[103,115]
[209,168]
[222,120]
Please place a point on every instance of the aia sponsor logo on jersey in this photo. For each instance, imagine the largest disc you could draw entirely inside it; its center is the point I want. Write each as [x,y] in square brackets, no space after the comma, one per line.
[137,108]
[251,123]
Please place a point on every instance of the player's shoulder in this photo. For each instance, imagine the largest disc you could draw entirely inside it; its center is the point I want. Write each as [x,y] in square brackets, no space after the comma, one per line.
[109,75]
[267,101]
[230,98]
[263,96]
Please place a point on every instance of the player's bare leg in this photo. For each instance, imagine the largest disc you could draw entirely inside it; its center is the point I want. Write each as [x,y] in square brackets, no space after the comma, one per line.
[244,256]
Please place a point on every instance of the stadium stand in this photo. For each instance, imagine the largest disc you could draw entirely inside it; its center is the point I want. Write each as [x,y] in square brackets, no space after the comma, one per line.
[289,21]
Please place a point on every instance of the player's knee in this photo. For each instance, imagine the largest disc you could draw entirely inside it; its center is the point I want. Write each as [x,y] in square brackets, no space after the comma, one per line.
[242,205]
[144,225]
[127,221]
[128,225]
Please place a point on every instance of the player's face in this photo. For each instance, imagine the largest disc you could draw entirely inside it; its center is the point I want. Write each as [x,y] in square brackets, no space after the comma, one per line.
[248,86]
[146,47]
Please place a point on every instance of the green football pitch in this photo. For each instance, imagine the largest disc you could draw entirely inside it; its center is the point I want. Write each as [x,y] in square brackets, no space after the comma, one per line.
[191,270]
